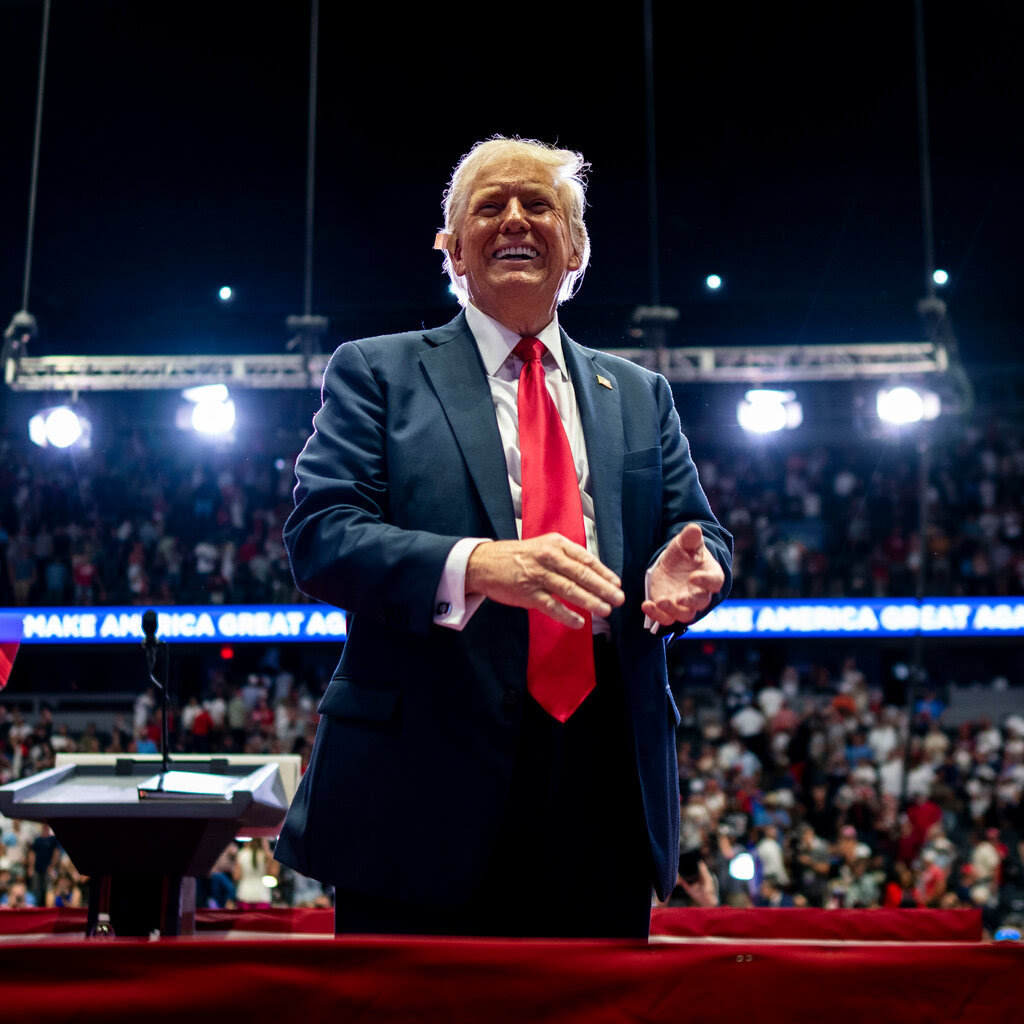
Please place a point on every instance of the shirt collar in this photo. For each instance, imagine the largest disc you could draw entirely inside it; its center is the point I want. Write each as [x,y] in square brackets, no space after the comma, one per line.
[495,341]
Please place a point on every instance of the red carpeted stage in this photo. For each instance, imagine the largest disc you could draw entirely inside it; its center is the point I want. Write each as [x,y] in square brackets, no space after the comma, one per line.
[900,966]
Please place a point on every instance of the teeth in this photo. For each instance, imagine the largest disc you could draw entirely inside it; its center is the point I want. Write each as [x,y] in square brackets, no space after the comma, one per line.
[515,250]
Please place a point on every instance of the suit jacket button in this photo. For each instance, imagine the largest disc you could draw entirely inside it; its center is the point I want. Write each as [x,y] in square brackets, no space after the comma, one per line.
[510,701]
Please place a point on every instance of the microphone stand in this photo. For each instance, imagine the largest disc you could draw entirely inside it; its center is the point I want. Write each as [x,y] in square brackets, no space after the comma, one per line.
[152,646]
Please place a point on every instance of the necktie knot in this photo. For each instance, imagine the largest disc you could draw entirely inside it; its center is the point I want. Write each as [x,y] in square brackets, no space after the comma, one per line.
[530,349]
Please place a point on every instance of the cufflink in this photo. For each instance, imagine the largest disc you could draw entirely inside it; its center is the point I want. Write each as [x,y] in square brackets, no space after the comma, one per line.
[443,608]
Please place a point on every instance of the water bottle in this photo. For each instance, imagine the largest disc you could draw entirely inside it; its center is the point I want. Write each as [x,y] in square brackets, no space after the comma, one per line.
[102,930]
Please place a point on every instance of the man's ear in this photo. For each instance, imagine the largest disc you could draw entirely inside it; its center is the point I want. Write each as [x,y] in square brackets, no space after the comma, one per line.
[447,241]
[454,248]
[574,262]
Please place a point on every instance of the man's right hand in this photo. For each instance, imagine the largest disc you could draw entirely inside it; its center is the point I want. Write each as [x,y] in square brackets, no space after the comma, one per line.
[542,573]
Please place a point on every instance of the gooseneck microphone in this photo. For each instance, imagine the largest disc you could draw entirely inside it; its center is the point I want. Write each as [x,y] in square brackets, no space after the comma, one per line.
[151,645]
[149,642]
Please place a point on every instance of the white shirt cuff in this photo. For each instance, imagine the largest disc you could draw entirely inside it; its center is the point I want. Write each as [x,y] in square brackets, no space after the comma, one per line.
[452,609]
[649,624]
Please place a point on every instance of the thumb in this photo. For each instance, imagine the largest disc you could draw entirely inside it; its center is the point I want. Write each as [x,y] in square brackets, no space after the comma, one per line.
[688,542]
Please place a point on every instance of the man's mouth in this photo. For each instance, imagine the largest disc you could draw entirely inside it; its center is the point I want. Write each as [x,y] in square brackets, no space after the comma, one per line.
[516,252]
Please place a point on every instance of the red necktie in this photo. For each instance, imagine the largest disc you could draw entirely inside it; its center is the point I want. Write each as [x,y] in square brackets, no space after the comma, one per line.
[560,667]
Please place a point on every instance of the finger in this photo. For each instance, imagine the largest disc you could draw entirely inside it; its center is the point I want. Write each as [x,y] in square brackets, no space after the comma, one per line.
[685,551]
[703,583]
[566,589]
[661,616]
[577,576]
[579,554]
[692,536]
[667,611]
[562,614]
[586,583]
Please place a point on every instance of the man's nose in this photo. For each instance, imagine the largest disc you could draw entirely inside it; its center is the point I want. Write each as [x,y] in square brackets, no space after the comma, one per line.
[515,217]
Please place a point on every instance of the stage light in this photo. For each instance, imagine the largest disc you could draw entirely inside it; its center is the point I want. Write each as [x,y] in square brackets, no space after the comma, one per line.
[37,430]
[60,427]
[213,411]
[764,411]
[712,282]
[902,405]
[741,867]
[225,293]
[940,277]
[213,417]
[206,393]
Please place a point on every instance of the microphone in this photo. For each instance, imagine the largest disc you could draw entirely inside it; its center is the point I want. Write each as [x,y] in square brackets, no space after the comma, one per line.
[151,645]
[149,642]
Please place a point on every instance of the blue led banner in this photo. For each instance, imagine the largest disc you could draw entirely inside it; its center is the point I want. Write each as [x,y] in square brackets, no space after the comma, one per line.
[182,623]
[313,622]
[890,617]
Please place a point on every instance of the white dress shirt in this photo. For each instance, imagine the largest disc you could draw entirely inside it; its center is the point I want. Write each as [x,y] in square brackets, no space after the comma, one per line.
[495,343]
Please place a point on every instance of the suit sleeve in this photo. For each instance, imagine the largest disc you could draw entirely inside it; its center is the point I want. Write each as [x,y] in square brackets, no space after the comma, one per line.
[683,498]
[344,545]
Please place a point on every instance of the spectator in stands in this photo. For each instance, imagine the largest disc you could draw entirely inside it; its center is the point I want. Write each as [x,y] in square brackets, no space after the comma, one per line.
[238,718]
[769,851]
[17,897]
[899,890]
[21,567]
[44,854]
[254,865]
[813,863]
[66,890]
[986,859]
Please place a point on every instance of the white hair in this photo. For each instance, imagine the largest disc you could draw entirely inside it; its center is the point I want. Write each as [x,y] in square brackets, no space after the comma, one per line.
[569,171]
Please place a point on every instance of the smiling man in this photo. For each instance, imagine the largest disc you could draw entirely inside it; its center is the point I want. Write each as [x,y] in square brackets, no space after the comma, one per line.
[508,518]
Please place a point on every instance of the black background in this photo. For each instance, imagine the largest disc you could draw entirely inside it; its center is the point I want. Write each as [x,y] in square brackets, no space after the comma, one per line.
[174,152]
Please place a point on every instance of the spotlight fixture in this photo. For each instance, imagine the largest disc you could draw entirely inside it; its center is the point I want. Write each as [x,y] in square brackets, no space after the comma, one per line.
[765,411]
[213,411]
[902,405]
[60,427]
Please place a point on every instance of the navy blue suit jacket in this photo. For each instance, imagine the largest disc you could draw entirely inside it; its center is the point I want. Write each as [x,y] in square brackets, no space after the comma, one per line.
[409,774]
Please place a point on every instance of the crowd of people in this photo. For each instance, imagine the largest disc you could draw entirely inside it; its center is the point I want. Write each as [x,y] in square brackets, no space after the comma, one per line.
[811,783]
[145,523]
[793,795]
[160,522]
[842,520]
[831,809]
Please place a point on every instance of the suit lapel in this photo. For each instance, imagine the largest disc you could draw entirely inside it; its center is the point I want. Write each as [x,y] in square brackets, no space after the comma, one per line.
[457,376]
[601,416]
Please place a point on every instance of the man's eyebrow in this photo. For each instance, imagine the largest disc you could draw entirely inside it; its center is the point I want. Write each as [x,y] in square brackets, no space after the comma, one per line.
[500,188]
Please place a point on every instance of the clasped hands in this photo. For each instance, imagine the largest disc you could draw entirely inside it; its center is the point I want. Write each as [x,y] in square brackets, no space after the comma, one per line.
[543,572]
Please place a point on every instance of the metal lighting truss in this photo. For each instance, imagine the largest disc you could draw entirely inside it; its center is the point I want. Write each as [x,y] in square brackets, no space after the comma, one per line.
[754,364]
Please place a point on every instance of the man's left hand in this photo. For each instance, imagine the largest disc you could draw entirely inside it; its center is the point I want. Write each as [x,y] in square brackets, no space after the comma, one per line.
[684,580]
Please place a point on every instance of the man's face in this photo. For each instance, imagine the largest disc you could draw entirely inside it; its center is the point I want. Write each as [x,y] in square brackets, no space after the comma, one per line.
[513,246]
